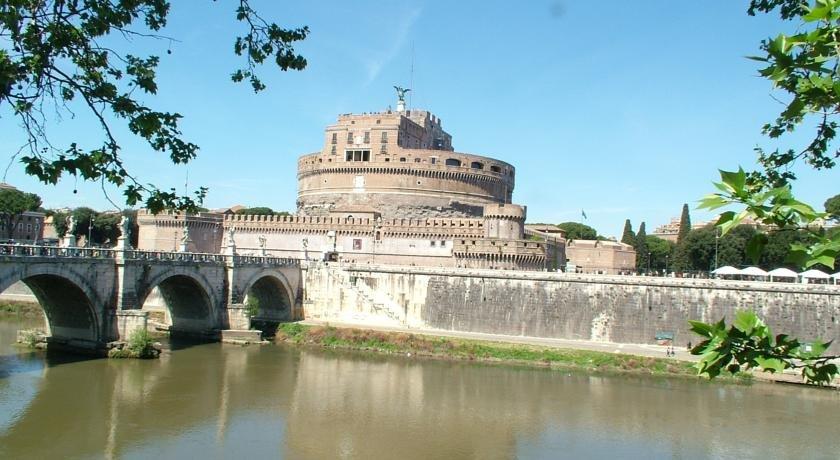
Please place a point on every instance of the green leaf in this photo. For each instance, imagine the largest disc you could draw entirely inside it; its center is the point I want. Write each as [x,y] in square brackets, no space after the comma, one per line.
[701,328]
[771,365]
[745,321]
[756,246]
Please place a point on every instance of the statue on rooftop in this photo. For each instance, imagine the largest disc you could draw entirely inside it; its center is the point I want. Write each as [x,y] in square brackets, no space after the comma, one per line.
[401,93]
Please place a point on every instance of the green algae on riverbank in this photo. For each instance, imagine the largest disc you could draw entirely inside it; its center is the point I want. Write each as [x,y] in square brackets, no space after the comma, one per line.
[491,352]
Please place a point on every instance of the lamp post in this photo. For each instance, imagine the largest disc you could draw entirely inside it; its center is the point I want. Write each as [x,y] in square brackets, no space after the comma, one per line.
[717,237]
[666,264]
[90,231]
[648,269]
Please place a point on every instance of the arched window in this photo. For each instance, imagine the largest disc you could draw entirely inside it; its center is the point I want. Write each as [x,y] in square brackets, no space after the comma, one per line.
[453,162]
[495,169]
[477,165]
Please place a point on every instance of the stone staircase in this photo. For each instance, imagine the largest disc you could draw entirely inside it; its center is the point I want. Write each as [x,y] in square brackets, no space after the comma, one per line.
[375,306]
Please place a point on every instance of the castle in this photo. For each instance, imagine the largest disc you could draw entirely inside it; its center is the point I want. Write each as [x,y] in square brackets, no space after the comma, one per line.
[386,187]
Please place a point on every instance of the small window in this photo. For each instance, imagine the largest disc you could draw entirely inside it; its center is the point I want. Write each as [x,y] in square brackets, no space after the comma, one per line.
[378,121]
[349,137]
[367,137]
[332,150]
[432,243]
[387,160]
[495,169]
[477,165]
[334,138]
[417,160]
[453,162]
[402,159]
[443,243]
[433,160]
[384,148]
[348,156]
[384,136]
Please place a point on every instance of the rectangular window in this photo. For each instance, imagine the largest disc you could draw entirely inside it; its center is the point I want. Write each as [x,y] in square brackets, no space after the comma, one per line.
[432,243]
[332,150]
[357,244]
[443,243]
[357,155]
[334,138]
[433,160]
[367,137]
[349,137]
[384,148]
[384,136]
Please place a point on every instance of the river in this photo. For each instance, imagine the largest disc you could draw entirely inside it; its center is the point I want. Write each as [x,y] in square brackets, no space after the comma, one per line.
[207,401]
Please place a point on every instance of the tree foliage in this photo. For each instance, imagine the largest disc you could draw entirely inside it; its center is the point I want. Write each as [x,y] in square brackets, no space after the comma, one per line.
[803,69]
[627,236]
[661,252]
[685,224]
[13,203]
[642,253]
[261,211]
[832,207]
[578,231]
[71,56]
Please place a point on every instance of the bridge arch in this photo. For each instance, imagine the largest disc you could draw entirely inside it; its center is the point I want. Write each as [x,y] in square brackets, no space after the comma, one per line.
[273,294]
[72,307]
[188,298]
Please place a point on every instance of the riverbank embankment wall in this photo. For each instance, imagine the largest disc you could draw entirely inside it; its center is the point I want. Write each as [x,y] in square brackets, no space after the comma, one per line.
[620,309]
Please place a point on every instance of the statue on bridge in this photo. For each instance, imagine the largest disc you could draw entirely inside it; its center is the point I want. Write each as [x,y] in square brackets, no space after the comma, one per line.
[69,240]
[262,239]
[231,244]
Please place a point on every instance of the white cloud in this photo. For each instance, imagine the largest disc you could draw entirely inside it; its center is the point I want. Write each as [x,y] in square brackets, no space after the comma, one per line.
[375,66]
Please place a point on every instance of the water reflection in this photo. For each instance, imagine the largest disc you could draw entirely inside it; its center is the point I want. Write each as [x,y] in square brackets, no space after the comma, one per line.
[215,401]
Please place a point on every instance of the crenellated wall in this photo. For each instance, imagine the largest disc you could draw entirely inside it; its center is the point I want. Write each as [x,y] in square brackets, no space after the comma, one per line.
[619,309]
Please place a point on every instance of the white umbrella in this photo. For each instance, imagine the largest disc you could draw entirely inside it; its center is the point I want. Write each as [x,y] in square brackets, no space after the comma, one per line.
[726,270]
[782,273]
[753,271]
[814,274]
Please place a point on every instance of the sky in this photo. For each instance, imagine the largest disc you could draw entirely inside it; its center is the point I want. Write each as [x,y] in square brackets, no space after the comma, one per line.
[622,110]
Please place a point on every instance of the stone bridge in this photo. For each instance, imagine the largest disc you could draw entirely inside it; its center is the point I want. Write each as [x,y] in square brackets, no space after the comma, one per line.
[92,297]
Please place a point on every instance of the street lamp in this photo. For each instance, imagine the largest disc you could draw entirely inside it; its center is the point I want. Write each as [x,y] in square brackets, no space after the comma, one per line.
[666,264]
[90,231]
[648,269]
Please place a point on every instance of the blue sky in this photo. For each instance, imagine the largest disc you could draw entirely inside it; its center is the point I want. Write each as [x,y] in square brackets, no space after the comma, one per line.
[622,109]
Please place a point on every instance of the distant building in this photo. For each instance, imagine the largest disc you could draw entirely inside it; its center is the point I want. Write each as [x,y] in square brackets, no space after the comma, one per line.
[29,227]
[602,257]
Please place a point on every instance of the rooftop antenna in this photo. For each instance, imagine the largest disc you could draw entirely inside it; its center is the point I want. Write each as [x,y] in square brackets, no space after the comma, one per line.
[411,78]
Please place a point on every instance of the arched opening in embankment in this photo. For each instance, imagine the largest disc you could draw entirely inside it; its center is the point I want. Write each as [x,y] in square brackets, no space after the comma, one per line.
[180,305]
[269,303]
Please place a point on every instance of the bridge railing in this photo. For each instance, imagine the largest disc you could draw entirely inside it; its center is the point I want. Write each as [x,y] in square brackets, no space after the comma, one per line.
[31,250]
[265,260]
[174,256]
[23,250]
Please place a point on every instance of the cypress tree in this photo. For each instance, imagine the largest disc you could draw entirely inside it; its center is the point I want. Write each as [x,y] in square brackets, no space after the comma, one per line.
[681,261]
[685,224]
[627,236]
[641,249]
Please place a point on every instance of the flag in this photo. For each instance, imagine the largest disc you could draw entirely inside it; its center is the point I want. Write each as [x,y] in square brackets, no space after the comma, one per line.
[583,214]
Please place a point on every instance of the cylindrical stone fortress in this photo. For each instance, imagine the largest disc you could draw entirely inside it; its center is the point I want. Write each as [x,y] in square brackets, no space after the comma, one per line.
[401,165]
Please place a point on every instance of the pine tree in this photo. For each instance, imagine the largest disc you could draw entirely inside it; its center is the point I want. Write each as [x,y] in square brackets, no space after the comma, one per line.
[642,254]
[685,224]
[627,236]
[681,262]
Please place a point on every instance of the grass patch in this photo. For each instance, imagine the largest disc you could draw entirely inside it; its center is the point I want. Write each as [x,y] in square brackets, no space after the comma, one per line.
[473,350]
[140,345]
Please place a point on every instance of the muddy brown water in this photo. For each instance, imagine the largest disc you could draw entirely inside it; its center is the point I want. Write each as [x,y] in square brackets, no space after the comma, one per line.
[207,401]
